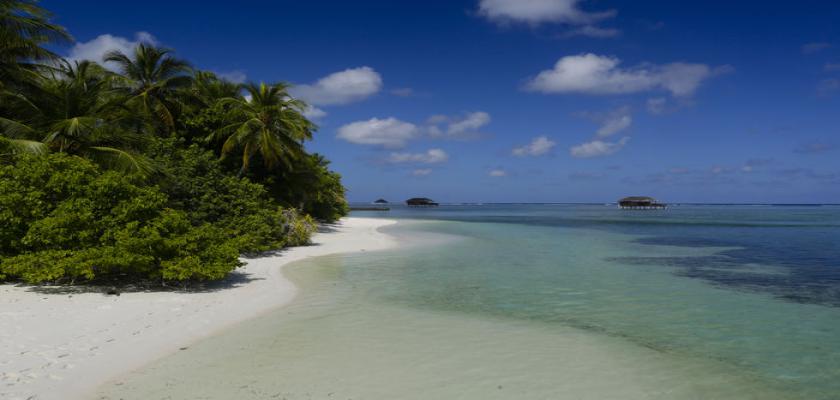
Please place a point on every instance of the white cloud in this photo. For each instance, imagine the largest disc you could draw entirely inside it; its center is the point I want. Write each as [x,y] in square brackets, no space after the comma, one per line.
[95,49]
[497,173]
[431,156]
[393,133]
[593,74]
[236,76]
[342,87]
[421,172]
[470,123]
[535,12]
[457,127]
[388,132]
[313,113]
[615,121]
[539,146]
[597,148]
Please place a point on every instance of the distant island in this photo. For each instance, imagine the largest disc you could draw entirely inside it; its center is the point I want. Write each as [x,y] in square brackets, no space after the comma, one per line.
[640,203]
[421,202]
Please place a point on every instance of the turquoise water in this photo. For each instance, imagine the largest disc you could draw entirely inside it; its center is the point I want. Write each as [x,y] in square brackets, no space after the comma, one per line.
[543,302]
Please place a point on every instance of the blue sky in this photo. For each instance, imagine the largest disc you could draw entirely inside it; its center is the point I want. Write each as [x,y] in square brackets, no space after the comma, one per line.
[529,100]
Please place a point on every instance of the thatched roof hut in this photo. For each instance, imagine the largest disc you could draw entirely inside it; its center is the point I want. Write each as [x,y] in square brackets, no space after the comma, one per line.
[640,202]
[420,202]
[381,201]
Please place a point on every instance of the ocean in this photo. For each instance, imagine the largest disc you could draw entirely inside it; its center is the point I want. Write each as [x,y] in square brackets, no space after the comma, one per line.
[551,301]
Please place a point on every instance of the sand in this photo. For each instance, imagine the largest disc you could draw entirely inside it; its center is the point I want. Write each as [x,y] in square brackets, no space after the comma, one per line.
[59,344]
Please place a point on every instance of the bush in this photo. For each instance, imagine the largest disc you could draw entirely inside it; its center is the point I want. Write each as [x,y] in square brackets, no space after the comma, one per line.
[64,220]
[308,185]
[195,182]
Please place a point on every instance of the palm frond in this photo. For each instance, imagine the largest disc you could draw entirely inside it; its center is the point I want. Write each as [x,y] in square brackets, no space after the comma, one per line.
[23,146]
[122,160]
[14,129]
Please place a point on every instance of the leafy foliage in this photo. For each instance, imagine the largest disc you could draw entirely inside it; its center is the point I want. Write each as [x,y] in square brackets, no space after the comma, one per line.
[154,82]
[71,111]
[117,177]
[270,124]
[65,219]
[24,30]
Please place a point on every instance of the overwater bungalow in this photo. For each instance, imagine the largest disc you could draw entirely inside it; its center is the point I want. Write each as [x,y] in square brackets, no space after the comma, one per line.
[640,203]
[421,202]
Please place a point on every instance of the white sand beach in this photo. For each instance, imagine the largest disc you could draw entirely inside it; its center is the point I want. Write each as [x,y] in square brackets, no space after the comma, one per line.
[60,345]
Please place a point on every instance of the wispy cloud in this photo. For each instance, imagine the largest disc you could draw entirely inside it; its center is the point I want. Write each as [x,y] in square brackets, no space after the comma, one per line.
[614,121]
[431,156]
[597,148]
[540,145]
[497,173]
[457,127]
[602,75]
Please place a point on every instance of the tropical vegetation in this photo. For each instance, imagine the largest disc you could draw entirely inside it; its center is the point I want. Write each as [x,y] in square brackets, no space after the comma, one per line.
[145,168]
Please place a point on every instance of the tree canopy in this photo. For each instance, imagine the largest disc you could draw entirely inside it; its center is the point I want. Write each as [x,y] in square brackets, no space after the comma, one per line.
[156,172]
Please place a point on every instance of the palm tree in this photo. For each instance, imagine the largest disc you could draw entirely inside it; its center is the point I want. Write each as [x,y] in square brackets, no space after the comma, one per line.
[75,111]
[207,88]
[268,122]
[24,30]
[155,81]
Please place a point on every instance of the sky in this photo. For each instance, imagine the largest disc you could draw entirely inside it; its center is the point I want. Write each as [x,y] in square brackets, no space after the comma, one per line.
[528,100]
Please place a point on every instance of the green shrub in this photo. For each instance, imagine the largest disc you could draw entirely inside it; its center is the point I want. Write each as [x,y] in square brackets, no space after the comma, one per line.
[196,182]
[64,220]
[85,224]
[308,185]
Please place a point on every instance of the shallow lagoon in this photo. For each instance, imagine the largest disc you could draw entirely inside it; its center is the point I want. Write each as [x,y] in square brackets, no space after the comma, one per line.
[544,302]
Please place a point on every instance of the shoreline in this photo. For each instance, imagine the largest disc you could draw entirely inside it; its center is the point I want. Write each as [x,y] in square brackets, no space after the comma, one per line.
[313,349]
[64,346]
